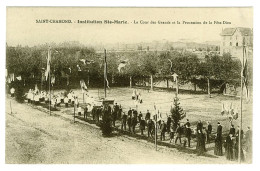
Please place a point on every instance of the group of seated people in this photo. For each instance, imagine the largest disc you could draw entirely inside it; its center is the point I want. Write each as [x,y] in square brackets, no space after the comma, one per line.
[36,97]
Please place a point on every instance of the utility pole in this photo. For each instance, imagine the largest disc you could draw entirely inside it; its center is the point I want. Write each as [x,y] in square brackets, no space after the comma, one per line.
[105,74]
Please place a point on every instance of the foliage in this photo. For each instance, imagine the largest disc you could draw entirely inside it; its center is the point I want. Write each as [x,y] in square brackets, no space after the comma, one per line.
[177,112]
[29,61]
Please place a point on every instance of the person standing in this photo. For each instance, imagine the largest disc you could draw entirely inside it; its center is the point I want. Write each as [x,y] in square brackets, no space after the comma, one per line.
[114,117]
[248,143]
[218,141]
[66,101]
[129,122]
[200,145]
[12,91]
[129,112]
[85,112]
[209,130]
[140,116]
[134,123]
[142,125]
[236,146]
[199,126]
[147,116]
[204,135]
[178,133]
[188,135]
[163,130]
[187,123]
[150,127]
[119,113]
[229,147]
[76,101]
[135,113]
[232,130]
[171,132]
[133,94]
[124,119]
[79,111]
[168,123]
[70,97]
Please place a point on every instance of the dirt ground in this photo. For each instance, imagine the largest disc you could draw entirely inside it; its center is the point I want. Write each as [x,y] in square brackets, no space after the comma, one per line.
[32,136]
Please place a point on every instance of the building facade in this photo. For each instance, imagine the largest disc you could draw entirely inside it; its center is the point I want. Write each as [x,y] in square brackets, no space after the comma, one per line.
[232,41]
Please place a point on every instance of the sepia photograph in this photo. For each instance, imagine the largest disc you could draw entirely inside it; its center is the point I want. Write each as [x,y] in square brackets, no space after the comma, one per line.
[129,85]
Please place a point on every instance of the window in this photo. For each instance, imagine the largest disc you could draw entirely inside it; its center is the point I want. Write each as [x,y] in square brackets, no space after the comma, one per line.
[230,43]
[237,44]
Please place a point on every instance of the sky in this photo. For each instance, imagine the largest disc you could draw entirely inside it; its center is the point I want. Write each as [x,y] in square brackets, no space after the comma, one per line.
[22,28]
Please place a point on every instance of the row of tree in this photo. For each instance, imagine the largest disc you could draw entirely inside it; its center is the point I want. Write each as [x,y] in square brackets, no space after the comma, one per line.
[30,63]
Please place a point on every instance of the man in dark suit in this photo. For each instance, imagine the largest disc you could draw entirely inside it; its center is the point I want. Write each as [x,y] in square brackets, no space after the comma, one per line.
[148,115]
[150,127]
[142,125]
[163,130]
[187,123]
[178,132]
[129,122]
[218,141]
[124,118]
[85,112]
[199,126]
[188,135]
[209,130]
[232,130]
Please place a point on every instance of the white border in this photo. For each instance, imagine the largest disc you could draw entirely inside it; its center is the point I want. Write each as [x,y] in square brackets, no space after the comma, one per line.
[133,3]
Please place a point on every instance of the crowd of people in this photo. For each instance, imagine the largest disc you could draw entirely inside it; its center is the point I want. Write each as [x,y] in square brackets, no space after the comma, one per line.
[152,124]
[177,132]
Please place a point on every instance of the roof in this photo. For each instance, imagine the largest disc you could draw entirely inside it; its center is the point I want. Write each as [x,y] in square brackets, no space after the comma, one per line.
[243,30]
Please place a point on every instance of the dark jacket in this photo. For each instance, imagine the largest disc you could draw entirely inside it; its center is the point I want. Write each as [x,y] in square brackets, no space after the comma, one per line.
[142,124]
[188,132]
[209,129]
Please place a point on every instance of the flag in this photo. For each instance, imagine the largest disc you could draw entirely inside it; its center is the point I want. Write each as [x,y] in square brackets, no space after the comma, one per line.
[83,85]
[105,71]
[36,88]
[231,109]
[53,80]
[79,69]
[244,72]
[19,78]
[48,68]
[171,69]
[235,114]
[85,61]
[223,109]
[122,65]
[12,76]
[174,76]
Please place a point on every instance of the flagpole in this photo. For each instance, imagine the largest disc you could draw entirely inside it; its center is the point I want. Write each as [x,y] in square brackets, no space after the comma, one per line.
[105,73]
[49,53]
[155,132]
[241,104]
